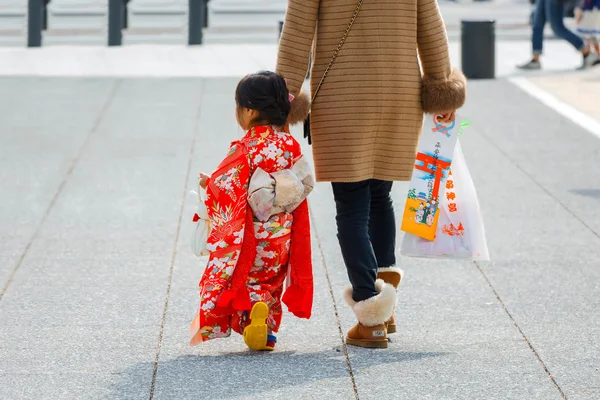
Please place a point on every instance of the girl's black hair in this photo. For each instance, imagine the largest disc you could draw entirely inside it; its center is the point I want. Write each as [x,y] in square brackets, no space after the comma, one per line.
[267,93]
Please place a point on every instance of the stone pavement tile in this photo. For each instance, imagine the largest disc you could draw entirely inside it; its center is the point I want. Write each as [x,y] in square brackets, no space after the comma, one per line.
[545,261]
[39,349]
[453,337]
[120,205]
[94,304]
[309,360]
[558,312]
[7,262]
[558,155]
[39,139]
[76,386]
[579,89]
[72,271]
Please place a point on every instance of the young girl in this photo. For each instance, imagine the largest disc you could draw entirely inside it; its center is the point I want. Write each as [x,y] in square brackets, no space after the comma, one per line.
[260,232]
[588,23]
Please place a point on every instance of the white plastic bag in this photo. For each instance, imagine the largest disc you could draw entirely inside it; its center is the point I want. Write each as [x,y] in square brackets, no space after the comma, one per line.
[200,225]
[460,233]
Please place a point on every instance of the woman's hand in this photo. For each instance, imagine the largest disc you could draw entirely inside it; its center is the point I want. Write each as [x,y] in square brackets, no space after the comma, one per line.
[203,180]
[447,117]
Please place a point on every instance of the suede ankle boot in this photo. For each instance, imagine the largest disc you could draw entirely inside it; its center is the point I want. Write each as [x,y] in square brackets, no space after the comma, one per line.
[393,276]
[371,313]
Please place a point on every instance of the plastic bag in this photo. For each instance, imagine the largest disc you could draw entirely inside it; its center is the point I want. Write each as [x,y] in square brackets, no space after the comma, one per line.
[200,229]
[460,232]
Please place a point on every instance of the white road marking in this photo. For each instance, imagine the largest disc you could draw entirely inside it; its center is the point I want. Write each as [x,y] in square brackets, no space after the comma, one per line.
[588,123]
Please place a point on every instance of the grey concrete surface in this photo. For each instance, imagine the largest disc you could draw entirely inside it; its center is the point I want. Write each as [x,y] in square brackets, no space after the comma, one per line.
[546,267]
[35,159]
[99,287]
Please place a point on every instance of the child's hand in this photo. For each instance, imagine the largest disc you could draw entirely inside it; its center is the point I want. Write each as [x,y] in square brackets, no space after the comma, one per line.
[578,14]
[203,180]
[446,118]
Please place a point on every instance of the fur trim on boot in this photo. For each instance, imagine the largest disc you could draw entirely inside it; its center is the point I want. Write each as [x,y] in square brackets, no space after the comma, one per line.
[299,110]
[348,292]
[444,95]
[377,309]
[391,275]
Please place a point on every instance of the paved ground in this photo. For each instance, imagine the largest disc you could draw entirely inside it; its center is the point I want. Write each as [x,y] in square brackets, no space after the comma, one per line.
[575,88]
[226,60]
[98,285]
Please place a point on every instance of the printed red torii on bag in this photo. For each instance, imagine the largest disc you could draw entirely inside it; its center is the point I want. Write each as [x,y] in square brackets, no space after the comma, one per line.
[428,164]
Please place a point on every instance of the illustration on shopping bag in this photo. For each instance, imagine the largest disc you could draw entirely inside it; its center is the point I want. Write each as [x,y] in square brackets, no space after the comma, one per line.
[434,157]
[452,208]
[460,233]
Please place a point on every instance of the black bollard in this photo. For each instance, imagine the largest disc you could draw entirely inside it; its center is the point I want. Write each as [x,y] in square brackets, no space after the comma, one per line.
[125,14]
[45,14]
[196,20]
[206,13]
[116,9]
[35,20]
[478,52]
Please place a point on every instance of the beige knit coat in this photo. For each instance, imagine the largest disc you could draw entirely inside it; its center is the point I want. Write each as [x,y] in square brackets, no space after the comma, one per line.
[367,116]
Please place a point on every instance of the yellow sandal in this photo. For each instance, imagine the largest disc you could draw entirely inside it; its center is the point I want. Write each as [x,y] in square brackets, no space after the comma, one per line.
[256,334]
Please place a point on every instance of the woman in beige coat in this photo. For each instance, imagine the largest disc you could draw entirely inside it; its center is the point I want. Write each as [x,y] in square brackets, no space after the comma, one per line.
[365,123]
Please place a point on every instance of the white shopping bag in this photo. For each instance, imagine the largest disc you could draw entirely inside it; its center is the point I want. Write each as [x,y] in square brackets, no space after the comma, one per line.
[200,228]
[460,233]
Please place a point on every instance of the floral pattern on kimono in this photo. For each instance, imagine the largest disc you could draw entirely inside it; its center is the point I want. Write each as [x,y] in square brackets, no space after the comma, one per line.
[249,259]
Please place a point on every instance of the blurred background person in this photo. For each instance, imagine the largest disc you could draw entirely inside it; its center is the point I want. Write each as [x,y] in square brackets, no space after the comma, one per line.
[553,11]
[587,15]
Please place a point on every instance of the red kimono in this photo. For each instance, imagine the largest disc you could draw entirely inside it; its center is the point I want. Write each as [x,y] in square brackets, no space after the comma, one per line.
[249,259]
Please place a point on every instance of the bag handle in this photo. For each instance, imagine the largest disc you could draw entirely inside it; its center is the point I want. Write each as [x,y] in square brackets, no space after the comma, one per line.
[335,53]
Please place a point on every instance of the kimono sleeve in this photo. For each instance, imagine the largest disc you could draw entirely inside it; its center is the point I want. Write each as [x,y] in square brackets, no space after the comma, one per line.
[299,295]
[231,241]
[227,192]
[227,189]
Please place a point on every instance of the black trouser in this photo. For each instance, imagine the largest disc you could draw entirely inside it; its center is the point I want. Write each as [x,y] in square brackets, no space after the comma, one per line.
[366,231]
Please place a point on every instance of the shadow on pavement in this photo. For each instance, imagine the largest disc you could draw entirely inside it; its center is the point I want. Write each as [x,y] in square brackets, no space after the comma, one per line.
[229,375]
[594,193]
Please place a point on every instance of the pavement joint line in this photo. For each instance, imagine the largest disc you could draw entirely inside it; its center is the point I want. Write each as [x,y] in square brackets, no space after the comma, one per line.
[74,163]
[175,243]
[533,350]
[585,121]
[539,185]
[335,310]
